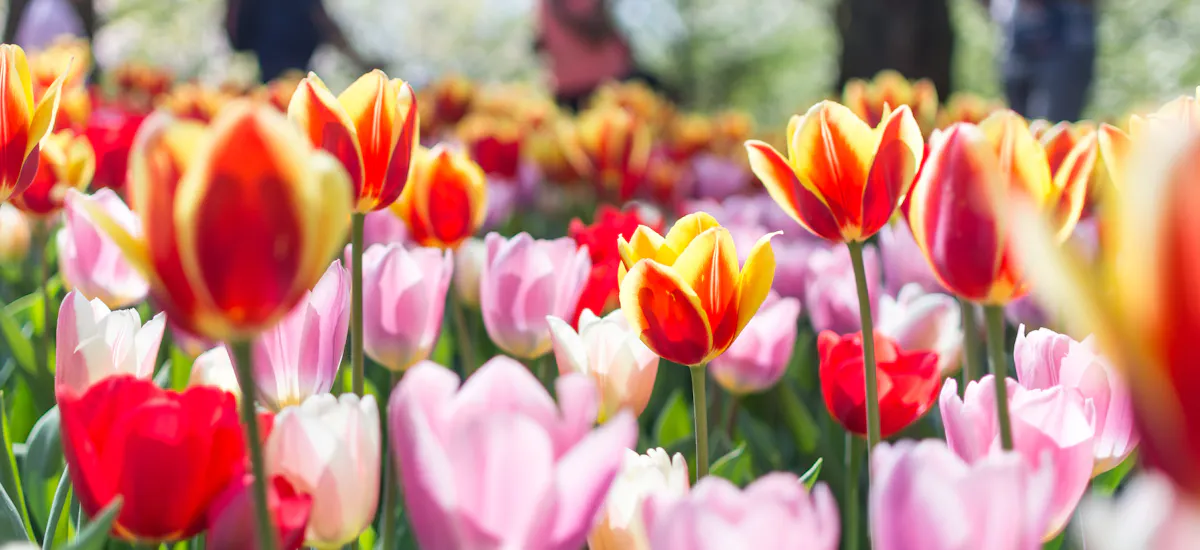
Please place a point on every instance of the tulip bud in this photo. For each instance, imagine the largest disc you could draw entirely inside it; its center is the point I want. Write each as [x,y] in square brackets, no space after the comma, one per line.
[25,122]
[445,200]
[15,234]
[404,296]
[66,162]
[607,350]
[93,343]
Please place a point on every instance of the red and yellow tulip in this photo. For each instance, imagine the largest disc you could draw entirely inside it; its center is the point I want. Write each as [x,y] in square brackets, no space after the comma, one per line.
[872,100]
[239,220]
[24,122]
[842,180]
[66,161]
[372,128]
[494,143]
[685,293]
[73,57]
[617,144]
[966,107]
[445,200]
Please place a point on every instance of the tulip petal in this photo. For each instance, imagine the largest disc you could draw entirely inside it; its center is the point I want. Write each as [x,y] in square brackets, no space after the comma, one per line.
[47,110]
[408,130]
[583,476]
[709,265]
[370,103]
[319,115]
[797,200]
[833,150]
[666,313]
[15,117]
[685,230]
[1021,157]
[645,243]
[1114,150]
[1071,180]
[755,280]
[901,147]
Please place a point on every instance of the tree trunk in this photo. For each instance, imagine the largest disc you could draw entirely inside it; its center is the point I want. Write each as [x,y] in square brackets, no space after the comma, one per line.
[913,37]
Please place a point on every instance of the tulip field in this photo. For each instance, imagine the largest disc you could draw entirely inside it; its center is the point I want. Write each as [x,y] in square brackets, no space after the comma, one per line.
[463,318]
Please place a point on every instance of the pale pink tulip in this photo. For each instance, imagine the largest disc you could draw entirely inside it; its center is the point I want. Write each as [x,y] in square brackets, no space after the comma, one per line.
[903,262]
[1042,363]
[1053,425]
[642,476]
[761,353]
[215,368]
[495,464]
[924,321]
[1149,514]
[404,295]
[384,227]
[775,511]
[612,354]
[923,496]
[300,356]
[468,263]
[89,260]
[831,297]
[93,343]
[523,281]
[15,234]
[329,447]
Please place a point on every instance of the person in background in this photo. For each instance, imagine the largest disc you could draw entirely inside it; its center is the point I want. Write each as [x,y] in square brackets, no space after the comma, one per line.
[583,48]
[1048,55]
[283,34]
[35,24]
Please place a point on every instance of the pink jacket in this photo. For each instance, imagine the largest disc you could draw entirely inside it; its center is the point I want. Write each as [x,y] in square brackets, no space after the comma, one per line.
[577,65]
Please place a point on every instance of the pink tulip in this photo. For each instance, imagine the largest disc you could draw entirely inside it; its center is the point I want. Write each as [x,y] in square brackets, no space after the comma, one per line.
[761,353]
[1053,425]
[791,263]
[924,321]
[523,281]
[300,356]
[612,354]
[831,297]
[1148,514]
[776,511]
[903,262]
[925,497]
[15,234]
[495,464]
[404,295]
[1043,363]
[88,258]
[215,368]
[384,227]
[93,343]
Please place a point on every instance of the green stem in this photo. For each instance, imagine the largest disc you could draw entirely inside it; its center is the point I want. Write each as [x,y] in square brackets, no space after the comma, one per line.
[43,347]
[700,411]
[868,343]
[356,302]
[970,355]
[854,454]
[462,334]
[995,345]
[242,360]
[388,525]
[731,419]
[56,508]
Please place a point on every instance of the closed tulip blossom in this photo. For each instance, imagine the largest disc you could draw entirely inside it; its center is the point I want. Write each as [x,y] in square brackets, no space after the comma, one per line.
[404,296]
[546,469]
[1045,359]
[925,496]
[93,343]
[873,99]
[760,355]
[88,259]
[66,162]
[1149,512]
[189,445]
[831,297]
[215,368]
[611,353]
[15,234]
[523,281]
[446,199]
[642,476]
[1053,426]
[329,447]
[230,519]
[26,122]
[775,511]
[468,265]
[917,320]
[300,356]
[908,382]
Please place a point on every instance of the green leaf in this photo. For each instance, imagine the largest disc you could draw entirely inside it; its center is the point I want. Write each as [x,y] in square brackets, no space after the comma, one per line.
[23,413]
[734,466]
[19,343]
[1057,543]
[95,534]
[43,463]
[674,422]
[181,368]
[12,529]
[9,474]
[56,509]
[810,477]
[366,541]
[1107,483]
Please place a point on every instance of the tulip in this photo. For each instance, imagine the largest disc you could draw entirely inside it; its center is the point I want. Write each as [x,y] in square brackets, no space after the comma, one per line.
[606,349]
[404,298]
[168,455]
[902,261]
[89,260]
[920,321]
[65,162]
[966,107]
[761,354]
[494,143]
[329,447]
[93,343]
[446,199]
[924,496]
[547,470]
[193,101]
[468,264]
[1045,359]
[831,296]
[617,147]
[908,382]
[642,476]
[775,511]
[383,227]
[229,525]
[111,130]
[15,234]
[1114,145]
[215,368]
[300,356]
[451,99]
[523,281]
[872,100]
[371,128]
[1053,426]
[1148,513]
[961,202]
[26,122]
[601,294]
[842,180]
[216,263]
[685,293]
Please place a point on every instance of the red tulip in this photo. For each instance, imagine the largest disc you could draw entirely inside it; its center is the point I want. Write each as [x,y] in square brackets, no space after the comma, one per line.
[908,382]
[168,455]
[600,294]
[110,130]
[231,517]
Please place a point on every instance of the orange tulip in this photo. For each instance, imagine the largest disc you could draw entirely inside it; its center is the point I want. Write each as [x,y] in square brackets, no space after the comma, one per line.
[617,145]
[23,123]
[685,294]
[872,100]
[445,200]
[66,161]
[371,128]
[842,179]
[193,101]
[962,202]
[239,220]
[554,146]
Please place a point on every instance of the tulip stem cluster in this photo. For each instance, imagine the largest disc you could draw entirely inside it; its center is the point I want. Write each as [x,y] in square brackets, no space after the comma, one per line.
[970,355]
[462,335]
[868,342]
[999,365]
[242,359]
[700,411]
[854,454]
[358,222]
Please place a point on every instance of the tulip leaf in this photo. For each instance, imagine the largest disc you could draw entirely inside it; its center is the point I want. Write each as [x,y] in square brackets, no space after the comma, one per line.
[366,540]
[734,466]
[12,529]
[43,463]
[181,368]
[674,422]
[56,508]
[95,534]
[1056,543]
[810,477]
[9,479]
[20,345]
[1107,482]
